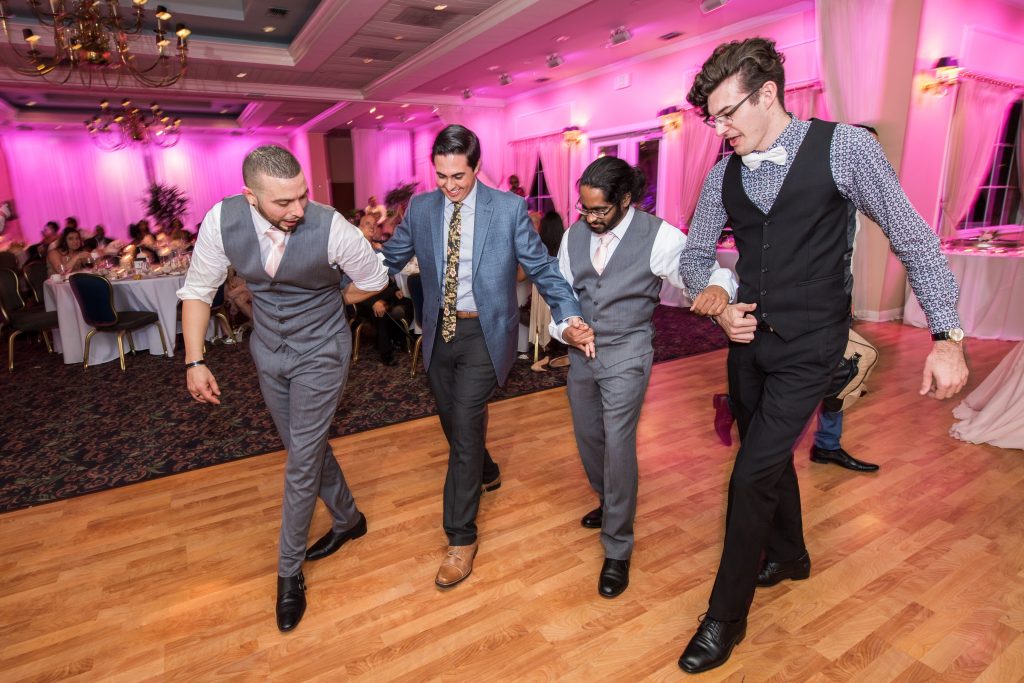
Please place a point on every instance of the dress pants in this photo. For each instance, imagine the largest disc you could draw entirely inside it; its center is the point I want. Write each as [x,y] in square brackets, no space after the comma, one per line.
[302,391]
[606,403]
[775,386]
[830,430]
[462,380]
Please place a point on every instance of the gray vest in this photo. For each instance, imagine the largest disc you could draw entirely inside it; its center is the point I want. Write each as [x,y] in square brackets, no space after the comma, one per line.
[619,303]
[301,307]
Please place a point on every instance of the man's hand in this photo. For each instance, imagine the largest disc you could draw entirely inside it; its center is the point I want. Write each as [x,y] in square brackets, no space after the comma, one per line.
[580,335]
[380,309]
[712,301]
[738,326]
[202,385]
[945,370]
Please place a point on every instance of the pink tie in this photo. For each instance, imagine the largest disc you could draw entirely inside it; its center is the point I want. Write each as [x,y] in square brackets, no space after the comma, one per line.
[601,255]
[276,251]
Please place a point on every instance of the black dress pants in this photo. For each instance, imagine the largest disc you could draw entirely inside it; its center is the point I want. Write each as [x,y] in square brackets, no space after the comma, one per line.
[775,386]
[462,380]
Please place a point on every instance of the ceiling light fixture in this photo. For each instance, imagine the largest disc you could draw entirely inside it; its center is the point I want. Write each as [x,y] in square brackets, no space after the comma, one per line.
[241,74]
[116,129]
[440,8]
[269,29]
[368,60]
[555,60]
[561,39]
[619,36]
[30,103]
[373,110]
[379,116]
[399,37]
[671,35]
[405,106]
[467,93]
[505,79]
[709,6]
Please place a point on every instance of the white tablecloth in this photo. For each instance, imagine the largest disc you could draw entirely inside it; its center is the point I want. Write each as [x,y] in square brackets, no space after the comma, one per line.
[153,294]
[991,295]
[673,296]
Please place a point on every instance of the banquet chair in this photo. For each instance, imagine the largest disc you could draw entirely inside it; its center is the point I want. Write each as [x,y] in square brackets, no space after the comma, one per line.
[35,274]
[95,296]
[8,260]
[13,314]
[219,311]
[358,324]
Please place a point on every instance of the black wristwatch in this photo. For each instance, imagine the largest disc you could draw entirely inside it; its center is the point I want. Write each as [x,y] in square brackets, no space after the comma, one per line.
[955,335]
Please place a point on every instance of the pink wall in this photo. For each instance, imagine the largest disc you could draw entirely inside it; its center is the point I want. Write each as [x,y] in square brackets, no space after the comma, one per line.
[594,104]
[987,37]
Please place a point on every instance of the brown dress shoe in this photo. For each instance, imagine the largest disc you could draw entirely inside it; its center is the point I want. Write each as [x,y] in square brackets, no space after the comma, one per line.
[456,566]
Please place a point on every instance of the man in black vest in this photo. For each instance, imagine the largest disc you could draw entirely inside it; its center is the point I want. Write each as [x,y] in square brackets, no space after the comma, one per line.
[786,191]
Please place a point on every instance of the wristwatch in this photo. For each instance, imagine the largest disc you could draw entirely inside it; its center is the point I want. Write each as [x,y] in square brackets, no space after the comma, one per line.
[955,335]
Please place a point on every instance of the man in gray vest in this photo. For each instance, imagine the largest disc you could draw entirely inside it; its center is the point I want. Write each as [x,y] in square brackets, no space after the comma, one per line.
[786,190]
[615,258]
[290,251]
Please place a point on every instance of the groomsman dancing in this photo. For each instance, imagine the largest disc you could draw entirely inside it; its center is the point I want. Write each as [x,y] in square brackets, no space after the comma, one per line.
[786,192]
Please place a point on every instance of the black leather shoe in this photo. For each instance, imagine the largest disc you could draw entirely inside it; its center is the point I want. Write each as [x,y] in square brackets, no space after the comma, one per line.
[712,644]
[614,578]
[333,540]
[772,572]
[841,458]
[291,601]
[593,519]
[492,484]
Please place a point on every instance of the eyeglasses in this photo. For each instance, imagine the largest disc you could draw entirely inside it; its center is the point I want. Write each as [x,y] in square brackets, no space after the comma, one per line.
[600,213]
[725,118]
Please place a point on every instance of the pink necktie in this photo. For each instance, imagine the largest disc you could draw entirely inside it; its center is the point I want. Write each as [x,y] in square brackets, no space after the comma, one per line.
[276,251]
[601,255]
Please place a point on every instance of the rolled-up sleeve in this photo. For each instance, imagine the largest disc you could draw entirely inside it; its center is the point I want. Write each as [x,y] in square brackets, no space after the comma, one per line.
[209,265]
[352,253]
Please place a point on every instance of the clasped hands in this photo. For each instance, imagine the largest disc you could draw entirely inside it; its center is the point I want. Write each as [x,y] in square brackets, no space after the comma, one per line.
[580,335]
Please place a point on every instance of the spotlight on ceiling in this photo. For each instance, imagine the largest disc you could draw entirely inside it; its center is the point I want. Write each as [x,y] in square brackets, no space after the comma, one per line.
[619,36]
[709,6]
[467,93]
[554,60]
[505,79]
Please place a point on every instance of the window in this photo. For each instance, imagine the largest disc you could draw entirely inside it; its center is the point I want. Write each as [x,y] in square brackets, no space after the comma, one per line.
[999,201]
[647,160]
[539,198]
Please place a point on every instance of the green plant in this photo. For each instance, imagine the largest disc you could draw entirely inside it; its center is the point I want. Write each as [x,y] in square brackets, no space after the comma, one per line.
[164,203]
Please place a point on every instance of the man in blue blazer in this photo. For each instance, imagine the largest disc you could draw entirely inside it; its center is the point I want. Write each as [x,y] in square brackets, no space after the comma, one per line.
[469,240]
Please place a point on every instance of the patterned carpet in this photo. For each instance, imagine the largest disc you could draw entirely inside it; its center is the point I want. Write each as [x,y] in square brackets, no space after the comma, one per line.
[68,432]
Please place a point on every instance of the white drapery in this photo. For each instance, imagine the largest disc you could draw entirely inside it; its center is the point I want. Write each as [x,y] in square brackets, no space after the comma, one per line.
[382,161]
[852,40]
[556,155]
[978,119]
[489,125]
[523,159]
[807,102]
[700,146]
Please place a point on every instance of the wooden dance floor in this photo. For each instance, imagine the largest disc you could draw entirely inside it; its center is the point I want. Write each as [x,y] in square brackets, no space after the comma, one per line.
[918,570]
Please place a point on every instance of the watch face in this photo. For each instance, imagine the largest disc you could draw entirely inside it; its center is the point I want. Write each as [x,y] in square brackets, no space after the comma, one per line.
[956,334]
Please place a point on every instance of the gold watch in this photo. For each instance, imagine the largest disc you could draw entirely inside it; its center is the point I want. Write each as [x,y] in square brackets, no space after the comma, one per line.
[955,335]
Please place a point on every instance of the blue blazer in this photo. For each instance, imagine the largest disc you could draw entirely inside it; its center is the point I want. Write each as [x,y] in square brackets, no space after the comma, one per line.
[503,237]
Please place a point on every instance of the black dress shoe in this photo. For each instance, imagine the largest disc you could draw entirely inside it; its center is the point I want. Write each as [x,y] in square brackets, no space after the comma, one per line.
[291,601]
[593,519]
[841,458]
[772,572]
[333,540]
[712,644]
[614,578]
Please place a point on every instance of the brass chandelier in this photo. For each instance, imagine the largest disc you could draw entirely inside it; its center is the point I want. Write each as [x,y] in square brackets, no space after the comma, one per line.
[116,129]
[91,40]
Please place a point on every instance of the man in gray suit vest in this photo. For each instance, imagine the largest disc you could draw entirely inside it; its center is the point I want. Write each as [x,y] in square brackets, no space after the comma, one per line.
[468,239]
[615,258]
[290,252]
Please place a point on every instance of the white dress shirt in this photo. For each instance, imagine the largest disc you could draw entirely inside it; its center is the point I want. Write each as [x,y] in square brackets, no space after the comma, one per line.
[668,245]
[347,249]
[464,300]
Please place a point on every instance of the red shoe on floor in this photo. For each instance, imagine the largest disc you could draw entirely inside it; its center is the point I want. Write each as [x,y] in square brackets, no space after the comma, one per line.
[723,418]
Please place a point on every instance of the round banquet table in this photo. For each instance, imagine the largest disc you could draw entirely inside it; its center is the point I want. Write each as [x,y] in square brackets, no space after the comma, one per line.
[156,293]
[991,295]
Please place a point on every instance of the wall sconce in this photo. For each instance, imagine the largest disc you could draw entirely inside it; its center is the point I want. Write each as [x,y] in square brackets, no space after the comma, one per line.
[944,76]
[671,119]
[572,135]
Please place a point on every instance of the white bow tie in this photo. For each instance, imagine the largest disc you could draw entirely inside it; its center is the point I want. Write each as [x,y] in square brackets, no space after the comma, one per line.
[776,155]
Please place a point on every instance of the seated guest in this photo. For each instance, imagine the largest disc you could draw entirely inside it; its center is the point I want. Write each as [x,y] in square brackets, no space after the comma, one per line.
[142,240]
[71,222]
[99,239]
[38,251]
[387,309]
[514,187]
[239,299]
[368,226]
[375,209]
[70,253]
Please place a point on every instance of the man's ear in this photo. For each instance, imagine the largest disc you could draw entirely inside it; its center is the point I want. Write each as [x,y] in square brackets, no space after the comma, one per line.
[249,195]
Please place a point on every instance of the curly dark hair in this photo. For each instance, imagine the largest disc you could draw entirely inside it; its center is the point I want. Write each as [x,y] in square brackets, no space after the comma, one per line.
[755,60]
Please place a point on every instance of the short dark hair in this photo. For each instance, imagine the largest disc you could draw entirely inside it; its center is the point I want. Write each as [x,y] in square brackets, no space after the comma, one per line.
[52,225]
[755,60]
[272,161]
[615,178]
[456,139]
[551,230]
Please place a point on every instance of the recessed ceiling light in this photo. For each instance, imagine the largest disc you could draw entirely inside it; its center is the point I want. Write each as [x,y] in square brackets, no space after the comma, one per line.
[505,79]
[555,60]
[57,127]
[373,109]
[349,123]
[405,106]
[280,127]
[561,39]
[379,116]
[399,37]
[493,68]
[224,110]
[30,103]
[440,8]
[368,60]
[269,29]
[290,119]
[241,74]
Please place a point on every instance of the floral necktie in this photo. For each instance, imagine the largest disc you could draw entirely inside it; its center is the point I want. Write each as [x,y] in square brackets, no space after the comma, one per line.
[451,274]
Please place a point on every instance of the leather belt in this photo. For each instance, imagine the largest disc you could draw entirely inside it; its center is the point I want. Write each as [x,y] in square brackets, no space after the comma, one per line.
[765,327]
[464,315]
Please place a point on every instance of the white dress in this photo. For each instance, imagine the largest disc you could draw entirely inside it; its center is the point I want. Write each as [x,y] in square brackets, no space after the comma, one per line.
[994,412]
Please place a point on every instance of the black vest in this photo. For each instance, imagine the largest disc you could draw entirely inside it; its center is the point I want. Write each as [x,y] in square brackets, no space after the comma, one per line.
[792,260]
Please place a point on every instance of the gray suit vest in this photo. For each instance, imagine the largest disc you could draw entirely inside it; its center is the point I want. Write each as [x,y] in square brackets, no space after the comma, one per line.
[619,303]
[301,307]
